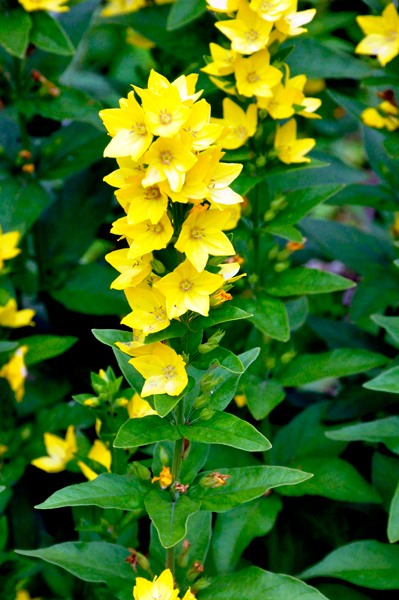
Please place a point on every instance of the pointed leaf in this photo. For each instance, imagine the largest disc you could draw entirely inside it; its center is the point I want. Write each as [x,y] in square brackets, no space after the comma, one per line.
[14,31]
[222,358]
[48,35]
[147,430]
[43,347]
[221,314]
[393,520]
[169,516]
[300,280]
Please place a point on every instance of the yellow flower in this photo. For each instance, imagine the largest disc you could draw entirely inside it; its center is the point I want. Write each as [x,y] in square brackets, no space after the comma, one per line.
[194,189]
[137,343]
[168,159]
[138,408]
[240,400]
[310,105]
[248,32]
[10,316]
[122,7]
[50,5]
[235,216]
[15,372]
[149,310]
[163,370]
[198,133]
[164,112]
[219,177]
[385,115]
[223,61]
[242,124]
[225,85]
[255,76]
[137,40]
[382,35]
[291,22]
[133,270]
[201,236]
[270,10]
[165,478]
[289,149]
[129,172]
[128,128]
[187,289]
[226,6]
[228,270]
[147,236]
[314,86]
[160,588]
[185,85]
[59,452]
[142,203]
[8,243]
[3,449]
[280,105]
[100,453]
[24,595]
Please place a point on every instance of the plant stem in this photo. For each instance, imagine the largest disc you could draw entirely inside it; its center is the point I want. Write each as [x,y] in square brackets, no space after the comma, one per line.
[176,468]
[18,76]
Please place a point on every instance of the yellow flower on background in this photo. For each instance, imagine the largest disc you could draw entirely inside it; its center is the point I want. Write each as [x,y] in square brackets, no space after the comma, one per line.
[128,128]
[270,10]
[223,61]
[138,408]
[165,112]
[194,189]
[50,5]
[382,35]
[59,452]
[122,7]
[235,216]
[135,39]
[299,83]
[255,76]
[137,343]
[164,371]
[248,32]
[281,104]
[198,133]
[187,289]
[228,270]
[168,159]
[133,270]
[161,588]
[10,316]
[219,177]
[185,85]
[149,310]
[384,116]
[8,246]
[240,400]
[289,149]
[147,236]
[129,172]
[15,372]
[142,203]
[242,124]
[201,236]
[24,595]
[101,454]
[290,23]
[165,478]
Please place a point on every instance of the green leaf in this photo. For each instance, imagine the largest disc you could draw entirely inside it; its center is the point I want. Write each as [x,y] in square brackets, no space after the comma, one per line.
[107,491]
[226,429]
[174,330]
[297,310]
[222,395]
[133,377]
[165,403]
[263,396]
[87,291]
[194,461]
[337,363]
[300,280]
[244,484]
[288,232]
[15,25]
[334,478]
[392,147]
[393,520]
[110,336]
[43,347]
[21,205]
[222,358]
[367,563]
[385,477]
[183,12]
[388,381]
[221,314]
[236,529]
[336,591]
[253,583]
[382,430]
[48,35]
[147,430]
[269,316]
[354,107]
[245,183]
[8,346]
[90,561]
[390,324]
[170,516]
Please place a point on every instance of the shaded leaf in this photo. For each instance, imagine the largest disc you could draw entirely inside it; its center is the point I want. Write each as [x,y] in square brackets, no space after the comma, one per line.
[170,516]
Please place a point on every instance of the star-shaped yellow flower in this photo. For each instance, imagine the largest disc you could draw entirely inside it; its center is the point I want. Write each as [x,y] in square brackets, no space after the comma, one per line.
[219,177]
[168,159]
[146,236]
[384,116]
[242,125]
[165,112]
[270,10]
[133,270]
[382,35]
[59,452]
[290,23]
[164,371]
[15,372]
[142,203]
[101,454]
[50,5]
[248,32]
[223,61]
[161,588]
[8,246]
[10,316]
[289,149]
[255,76]
[149,310]
[198,133]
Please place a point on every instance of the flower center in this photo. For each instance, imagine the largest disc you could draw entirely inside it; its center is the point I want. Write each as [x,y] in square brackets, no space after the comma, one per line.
[273,104]
[186,285]
[252,77]
[241,132]
[197,233]
[158,313]
[156,228]
[166,158]
[152,193]
[251,35]
[392,35]
[139,129]
[165,117]
[169,372]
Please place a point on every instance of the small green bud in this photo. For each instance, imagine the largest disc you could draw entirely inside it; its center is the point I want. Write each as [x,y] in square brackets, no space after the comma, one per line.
[195,569]
[209,382]
[212,343]
[273,252]
[207,414]
[138,470]
[143,562]
[202,400]
[283,255]
[260,161]
[253,279]
[164,456]
[202,583]
[287,357]
[157,266]
[270,362]
[278,202]
[269,215]
[281,266]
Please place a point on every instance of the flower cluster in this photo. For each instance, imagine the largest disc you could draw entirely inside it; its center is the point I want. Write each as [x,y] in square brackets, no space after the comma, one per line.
[123,7]
[14,370]
[161,587]
[383,116]
[50,5]
[382,35]
[257,30]
[178,202]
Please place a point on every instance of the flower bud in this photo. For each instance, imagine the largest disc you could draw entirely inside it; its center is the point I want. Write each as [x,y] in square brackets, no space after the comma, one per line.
[269,215]
[260,161]
[212,343]
[209,382]
[143,562]
[272,254]
[157,266]
[195,569]
[202,583]
[207,414]
[278,203]
[138,470]
[287,357]
[182,561]
[164,456]
[202,400]
[121,402]
[281,266]
[214,480]
[92,402]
